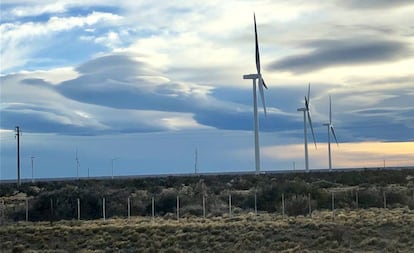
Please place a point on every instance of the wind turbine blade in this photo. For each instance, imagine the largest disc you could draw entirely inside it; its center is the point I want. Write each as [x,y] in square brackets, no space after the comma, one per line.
[261,84]
[310,123]
[330,110]
[306,104]
[334,135]
[309,93]
[257,46]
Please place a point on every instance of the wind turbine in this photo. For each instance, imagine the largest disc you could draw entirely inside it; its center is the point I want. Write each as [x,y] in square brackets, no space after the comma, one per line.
[330,130]
[77,164]
[261,84]
[306,114]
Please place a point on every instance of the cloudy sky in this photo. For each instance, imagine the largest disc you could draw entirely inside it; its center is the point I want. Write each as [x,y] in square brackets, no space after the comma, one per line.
[149,82]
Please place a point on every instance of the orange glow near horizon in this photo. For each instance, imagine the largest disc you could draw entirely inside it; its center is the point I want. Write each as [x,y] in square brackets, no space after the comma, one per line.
[347,155]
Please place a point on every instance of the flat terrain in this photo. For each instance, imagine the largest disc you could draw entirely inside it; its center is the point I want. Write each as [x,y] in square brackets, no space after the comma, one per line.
[369,230]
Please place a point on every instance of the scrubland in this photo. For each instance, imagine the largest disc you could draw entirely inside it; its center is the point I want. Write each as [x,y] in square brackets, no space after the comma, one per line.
[363,230]
[373,212]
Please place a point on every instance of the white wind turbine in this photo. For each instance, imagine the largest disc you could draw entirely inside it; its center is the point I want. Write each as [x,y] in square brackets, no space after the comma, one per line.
[330,130]
[261,84]
[306,114]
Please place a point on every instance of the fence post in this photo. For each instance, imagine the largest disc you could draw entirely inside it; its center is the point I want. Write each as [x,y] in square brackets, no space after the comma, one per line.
[79,210]
[309,205]
[356,199]
[103,209]
[255,201]
[333,205]
[3,207]
[229,205]
[129,208]
[51,209]
[283,205]
[153,207]
[385,199]
[204,206]
[27,209]
[178,207]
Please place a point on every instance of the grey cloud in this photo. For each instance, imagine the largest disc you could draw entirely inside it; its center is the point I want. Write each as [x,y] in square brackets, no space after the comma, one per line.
[387,119]
[35,121]
[117,101]
[116,66]
[41,119]
[328,53]
[106,83]
[375,4]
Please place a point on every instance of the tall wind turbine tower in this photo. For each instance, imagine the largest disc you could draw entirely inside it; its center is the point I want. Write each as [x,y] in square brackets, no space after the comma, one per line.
[330,130]
[306,114]
[261,84]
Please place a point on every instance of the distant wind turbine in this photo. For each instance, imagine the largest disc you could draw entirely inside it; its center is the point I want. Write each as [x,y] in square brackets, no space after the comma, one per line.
[330,130]
[261,84]
[306,114]
[77,164]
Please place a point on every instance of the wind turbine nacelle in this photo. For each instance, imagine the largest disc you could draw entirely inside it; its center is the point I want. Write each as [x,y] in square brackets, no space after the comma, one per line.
[251,76]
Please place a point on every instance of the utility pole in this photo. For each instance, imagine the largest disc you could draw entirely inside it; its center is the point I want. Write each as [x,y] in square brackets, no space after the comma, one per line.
[18,133]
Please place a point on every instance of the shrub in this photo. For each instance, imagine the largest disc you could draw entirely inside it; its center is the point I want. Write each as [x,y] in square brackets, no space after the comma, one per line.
[296,205]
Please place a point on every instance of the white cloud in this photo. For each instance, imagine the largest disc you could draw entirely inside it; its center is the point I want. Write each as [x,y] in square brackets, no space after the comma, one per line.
[20,40]
[110,40]
[183,122]
[52,76]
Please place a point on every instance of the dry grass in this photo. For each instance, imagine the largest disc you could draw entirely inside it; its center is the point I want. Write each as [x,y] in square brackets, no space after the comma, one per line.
[372,230]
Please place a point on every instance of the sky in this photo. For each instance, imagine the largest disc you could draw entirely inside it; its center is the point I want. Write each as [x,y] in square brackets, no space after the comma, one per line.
[136,87]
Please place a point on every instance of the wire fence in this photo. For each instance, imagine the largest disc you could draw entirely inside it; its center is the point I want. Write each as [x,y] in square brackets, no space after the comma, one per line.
[171,205]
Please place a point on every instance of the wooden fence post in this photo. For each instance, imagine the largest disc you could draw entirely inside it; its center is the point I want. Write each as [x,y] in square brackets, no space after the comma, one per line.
[27,209]
[3,207]
[79,210]
[204,206]
[178,207]
[283,205]
[255,202]
[333,205]
[309,205]
[152,207]
[129,208]
[229,205]
[356,199]
[51,209]
[103,209]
